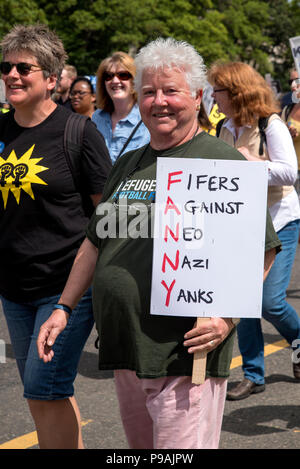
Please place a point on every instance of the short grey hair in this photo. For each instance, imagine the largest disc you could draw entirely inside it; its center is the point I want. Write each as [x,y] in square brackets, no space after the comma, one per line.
[171,53]
[39,42]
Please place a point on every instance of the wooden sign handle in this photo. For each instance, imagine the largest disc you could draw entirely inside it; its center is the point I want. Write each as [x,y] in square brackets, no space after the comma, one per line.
[199,364]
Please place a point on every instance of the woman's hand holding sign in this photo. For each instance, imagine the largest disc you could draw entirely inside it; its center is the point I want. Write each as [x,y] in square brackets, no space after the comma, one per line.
[207,335]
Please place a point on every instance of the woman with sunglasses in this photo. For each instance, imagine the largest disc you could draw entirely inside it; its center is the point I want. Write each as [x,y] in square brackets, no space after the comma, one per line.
[244,97]
[118,117]
[42,224]
[82,96]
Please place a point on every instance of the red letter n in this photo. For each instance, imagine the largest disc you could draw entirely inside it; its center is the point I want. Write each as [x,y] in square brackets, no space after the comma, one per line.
[174,236]
[166,258]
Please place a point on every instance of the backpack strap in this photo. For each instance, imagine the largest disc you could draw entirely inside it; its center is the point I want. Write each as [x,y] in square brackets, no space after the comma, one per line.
[219,126]
[287,110]
[73,138]
[129,138]
[262,125]
[73,141]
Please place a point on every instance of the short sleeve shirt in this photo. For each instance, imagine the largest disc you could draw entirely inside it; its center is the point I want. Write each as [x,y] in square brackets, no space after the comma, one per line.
[115,140]
[42,222]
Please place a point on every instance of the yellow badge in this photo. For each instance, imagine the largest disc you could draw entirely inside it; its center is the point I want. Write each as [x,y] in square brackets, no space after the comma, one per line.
[18,174]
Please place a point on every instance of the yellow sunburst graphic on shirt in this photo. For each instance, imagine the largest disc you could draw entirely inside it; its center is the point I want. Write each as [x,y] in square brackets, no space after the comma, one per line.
[17,174]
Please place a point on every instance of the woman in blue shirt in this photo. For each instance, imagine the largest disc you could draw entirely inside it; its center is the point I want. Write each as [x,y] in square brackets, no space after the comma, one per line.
[118,117]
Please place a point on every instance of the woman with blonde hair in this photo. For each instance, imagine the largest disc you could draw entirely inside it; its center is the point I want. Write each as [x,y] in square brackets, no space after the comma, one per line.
[118,117]
[248,102]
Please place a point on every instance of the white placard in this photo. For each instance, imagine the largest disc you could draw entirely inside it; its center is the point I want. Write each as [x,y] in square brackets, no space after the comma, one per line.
[295,47]
[209,238]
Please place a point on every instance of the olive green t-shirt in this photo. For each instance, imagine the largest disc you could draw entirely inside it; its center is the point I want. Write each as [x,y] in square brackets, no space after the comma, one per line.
[131,338]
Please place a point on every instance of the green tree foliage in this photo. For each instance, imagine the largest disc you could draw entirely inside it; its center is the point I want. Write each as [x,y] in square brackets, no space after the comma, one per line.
[284,22]
[254,31]
[19,11]
[245,22]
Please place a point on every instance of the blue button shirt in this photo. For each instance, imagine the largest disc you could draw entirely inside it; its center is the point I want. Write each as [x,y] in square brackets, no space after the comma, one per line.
[116,140]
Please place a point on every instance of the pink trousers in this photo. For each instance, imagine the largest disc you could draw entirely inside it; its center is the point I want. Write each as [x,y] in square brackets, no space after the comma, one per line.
[170,412]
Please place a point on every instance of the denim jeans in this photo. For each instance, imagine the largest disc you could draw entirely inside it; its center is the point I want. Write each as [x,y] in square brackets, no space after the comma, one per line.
[53,380]
[275,308]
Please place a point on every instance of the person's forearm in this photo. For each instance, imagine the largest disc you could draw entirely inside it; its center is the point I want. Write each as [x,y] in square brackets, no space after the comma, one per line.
[283,166]
[81,275]
[96,199]
[269,260]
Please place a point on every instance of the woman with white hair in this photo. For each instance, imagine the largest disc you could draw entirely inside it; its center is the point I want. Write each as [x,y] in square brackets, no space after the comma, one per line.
[152,356]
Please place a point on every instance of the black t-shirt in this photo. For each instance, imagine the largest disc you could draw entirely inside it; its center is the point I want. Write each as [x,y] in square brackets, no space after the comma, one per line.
[42,222]
[67,104]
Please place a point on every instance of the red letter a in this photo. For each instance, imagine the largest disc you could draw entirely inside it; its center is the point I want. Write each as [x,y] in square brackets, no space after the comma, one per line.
[170,206]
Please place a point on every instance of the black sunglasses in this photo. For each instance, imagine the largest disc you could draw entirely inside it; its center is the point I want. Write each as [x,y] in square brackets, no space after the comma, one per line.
[108,76]
[23,68]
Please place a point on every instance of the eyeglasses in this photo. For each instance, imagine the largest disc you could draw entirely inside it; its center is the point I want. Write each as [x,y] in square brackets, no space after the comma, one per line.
[124,76]
[80,93]
[23,68]
[218,91]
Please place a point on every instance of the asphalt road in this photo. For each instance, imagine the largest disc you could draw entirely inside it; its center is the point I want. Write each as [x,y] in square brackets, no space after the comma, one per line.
[270,420]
